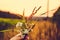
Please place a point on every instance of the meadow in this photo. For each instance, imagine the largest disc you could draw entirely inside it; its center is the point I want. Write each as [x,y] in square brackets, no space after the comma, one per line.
[43,30]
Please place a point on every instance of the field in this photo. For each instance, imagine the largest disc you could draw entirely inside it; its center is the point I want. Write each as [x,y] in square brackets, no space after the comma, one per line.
[43,30]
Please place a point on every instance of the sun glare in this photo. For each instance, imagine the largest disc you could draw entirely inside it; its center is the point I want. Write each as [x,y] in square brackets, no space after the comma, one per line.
[17,6]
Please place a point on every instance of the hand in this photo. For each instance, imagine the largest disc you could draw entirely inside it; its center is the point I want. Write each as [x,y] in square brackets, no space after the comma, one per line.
[17,37]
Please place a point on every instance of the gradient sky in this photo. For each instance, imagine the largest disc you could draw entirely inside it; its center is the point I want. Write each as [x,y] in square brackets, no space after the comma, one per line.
[17,6]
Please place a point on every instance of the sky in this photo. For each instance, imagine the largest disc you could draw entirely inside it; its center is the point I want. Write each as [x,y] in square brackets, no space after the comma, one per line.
[17,6]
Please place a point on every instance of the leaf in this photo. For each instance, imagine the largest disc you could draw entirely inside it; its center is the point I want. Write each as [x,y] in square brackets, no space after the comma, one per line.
[5,30]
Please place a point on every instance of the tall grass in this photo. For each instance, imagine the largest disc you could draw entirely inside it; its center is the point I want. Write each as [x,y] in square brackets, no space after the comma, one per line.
[43,30]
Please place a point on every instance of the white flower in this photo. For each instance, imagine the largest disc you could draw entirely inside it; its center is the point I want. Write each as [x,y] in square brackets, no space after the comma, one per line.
[19,24]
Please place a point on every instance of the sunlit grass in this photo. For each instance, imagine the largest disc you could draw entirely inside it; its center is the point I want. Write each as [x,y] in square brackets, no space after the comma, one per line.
[43,30]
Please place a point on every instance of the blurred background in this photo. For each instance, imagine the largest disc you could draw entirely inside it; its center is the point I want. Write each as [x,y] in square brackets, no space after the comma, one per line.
[45,14]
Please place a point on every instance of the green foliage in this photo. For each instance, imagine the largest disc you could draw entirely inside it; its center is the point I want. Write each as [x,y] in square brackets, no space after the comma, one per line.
[6,23]
[10,21]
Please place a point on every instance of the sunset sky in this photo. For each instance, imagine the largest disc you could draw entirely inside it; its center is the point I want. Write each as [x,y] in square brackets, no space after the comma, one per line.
[17,6]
